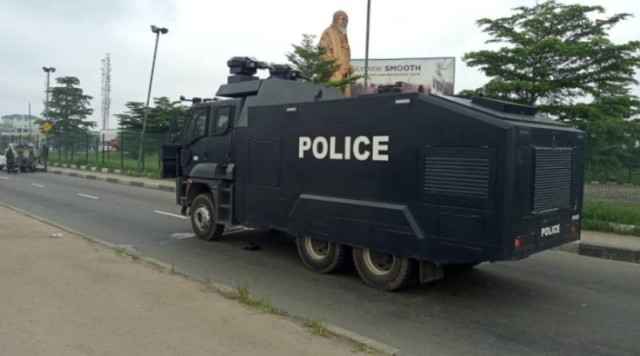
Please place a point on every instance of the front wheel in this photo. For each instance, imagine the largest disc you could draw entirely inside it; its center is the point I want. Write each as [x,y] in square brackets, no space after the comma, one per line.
[321,255]
[382,270]
[204,219]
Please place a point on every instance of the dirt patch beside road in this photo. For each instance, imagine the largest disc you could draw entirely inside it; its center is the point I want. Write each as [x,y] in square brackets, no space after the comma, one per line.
[63,295]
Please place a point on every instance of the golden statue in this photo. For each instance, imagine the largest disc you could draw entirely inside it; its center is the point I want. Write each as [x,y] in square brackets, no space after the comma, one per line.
[334,40]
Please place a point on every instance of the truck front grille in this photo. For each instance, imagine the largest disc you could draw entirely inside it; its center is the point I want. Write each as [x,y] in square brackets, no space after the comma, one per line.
[553,178]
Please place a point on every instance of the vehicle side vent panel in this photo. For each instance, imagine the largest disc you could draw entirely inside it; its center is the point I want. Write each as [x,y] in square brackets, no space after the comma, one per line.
[458,176]
[552,180]
[463,176]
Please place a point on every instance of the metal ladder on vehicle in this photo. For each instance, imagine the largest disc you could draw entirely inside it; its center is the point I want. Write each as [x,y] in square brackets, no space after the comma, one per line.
[224,199]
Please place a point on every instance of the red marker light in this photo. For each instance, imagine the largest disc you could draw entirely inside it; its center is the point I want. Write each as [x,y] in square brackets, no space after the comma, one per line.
[574,229]
[517,243]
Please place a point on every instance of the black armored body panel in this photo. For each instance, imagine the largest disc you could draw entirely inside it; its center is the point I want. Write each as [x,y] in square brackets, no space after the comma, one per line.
[399,182]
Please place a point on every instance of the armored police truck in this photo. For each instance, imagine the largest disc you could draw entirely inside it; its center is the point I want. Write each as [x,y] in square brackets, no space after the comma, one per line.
[403,184]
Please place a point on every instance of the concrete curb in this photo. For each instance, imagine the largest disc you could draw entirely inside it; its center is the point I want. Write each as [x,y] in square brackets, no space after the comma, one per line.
[609,253]
[606,252]
[222,289]
[88,168]
[349,335]
[89,175]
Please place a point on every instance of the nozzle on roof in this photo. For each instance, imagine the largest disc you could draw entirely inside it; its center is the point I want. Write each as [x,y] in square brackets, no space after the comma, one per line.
[285,71]
[244,68]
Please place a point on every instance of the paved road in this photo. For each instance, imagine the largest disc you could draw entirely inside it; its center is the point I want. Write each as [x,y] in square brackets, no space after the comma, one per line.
[552,303]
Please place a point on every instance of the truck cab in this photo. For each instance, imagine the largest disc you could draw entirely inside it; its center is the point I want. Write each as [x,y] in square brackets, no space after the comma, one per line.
[204,159]
[207,136]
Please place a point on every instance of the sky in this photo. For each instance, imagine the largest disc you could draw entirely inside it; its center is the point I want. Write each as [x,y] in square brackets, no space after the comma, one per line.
[74,36]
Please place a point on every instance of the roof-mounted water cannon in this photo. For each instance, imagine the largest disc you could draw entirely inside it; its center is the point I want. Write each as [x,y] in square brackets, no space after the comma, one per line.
[287,72]
[197,100]
[244,68]
[194,100]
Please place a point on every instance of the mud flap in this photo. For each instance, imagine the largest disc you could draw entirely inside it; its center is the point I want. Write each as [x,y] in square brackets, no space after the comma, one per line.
[430,271]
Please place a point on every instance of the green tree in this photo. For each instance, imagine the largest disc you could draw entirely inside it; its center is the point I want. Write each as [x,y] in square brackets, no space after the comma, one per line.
[67,112]
[560,58]
[310,60]
[157,130]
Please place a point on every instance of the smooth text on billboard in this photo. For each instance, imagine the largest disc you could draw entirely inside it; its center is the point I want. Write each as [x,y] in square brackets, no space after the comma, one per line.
[430,75]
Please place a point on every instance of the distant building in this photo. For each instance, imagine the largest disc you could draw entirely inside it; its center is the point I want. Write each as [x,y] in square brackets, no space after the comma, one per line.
[110,134]
[18,123]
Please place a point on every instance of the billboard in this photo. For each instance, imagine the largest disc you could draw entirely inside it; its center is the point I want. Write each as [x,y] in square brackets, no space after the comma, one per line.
[431,75]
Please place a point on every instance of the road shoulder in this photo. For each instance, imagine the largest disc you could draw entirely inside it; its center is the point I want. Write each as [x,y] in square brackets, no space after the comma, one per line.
[66,295]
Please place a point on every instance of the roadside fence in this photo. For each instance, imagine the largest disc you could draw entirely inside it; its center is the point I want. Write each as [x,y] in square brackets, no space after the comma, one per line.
[114,151]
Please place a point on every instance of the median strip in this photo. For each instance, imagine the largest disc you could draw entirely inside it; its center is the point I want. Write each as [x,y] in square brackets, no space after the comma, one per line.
[88,196]
[117,179]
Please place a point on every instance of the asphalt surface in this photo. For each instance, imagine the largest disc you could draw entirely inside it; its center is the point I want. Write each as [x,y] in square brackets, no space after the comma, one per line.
[551,303]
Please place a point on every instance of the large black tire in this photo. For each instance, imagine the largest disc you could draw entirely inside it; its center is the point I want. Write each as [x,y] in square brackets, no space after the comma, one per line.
[383,271]
[321,255]
[204,219]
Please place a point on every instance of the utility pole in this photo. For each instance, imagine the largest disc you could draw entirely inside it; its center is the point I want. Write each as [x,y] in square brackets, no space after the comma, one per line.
[29,118]
[366,50]
[47,70]
[157,31]
[106,91]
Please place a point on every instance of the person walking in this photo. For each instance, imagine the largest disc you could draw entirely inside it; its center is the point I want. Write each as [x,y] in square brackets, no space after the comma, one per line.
[11,159]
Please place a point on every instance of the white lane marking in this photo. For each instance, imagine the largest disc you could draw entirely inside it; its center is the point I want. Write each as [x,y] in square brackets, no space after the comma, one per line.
[88,196]
[37,185]
[182,235]
[169,214]
[5,178]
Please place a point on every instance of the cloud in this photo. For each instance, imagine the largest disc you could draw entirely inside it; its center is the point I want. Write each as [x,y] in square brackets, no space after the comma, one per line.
[74,36]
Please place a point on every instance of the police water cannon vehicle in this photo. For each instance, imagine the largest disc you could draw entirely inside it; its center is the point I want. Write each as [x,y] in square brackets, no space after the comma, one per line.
[403,184]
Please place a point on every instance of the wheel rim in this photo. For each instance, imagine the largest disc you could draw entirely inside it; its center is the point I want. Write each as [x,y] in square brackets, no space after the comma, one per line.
[378,263]
[202,218]
[317,249]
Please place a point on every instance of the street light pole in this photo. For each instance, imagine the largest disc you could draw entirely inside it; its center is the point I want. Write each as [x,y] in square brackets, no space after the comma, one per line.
[47,70]
[29,117]
[157,31]
[366,51]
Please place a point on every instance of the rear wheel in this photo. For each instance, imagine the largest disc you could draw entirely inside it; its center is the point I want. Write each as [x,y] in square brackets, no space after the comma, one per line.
[382,270]
[204,219]
[321,255]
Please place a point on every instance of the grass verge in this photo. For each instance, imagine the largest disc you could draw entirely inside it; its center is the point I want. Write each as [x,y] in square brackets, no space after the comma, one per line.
[262,304]
[317,327]
[128,166]
[609,217]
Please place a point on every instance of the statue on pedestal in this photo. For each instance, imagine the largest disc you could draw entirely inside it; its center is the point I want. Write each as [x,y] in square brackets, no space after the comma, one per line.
[334,40]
